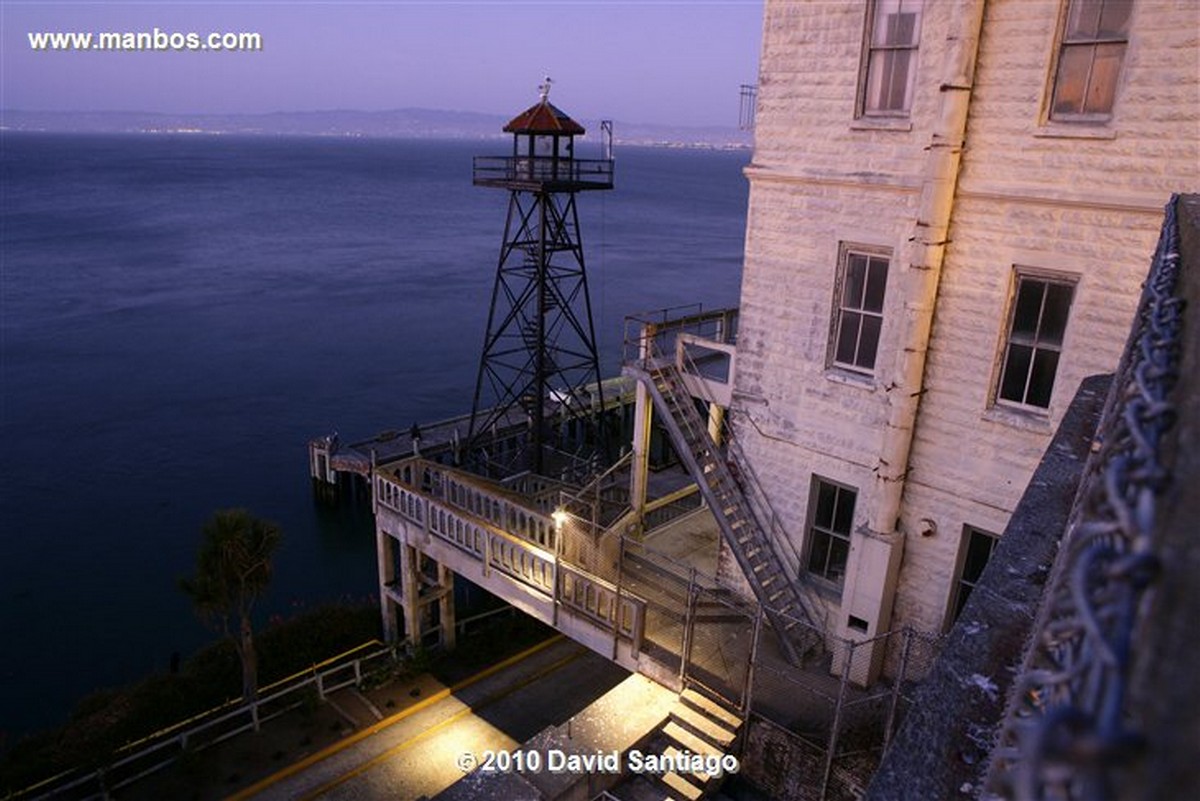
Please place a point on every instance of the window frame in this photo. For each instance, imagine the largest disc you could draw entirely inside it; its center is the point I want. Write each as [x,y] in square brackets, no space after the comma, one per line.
[840,309]
[1066,41]
[1021,274]
[958,599]
[832,537]
[863,104]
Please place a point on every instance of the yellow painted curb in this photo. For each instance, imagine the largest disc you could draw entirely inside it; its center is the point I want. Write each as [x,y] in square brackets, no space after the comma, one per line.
[358,770]
[362,734]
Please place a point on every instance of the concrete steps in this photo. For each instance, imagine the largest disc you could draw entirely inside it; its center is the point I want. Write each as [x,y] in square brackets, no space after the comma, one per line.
[354,708]
[700,725]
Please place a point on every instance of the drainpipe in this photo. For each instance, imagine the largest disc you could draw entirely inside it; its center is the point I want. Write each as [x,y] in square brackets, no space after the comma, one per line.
[925,262]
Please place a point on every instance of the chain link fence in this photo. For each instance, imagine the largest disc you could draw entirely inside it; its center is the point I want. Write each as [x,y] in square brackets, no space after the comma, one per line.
[825,724]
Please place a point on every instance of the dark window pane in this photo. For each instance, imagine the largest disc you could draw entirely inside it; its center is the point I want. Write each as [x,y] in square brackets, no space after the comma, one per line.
[888,80]
[980,545]
[1016,369]
[1084,19]
[1114,19]
[856,279]
[839,551]
[895,81]
[829,544]
[896,23]
[1041,381]
[1028,309]
[876,285]
[964,592]
[845,512]
[848,337]
[869,342]
[826,495]
[818,552]
[979,549]
[1054,313]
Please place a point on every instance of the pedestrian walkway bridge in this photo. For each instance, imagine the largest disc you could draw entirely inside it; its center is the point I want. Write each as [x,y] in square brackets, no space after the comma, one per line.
[576,558]
[538,561]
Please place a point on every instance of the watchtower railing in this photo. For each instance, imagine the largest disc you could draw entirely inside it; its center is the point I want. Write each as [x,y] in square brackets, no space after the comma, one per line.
[505,170]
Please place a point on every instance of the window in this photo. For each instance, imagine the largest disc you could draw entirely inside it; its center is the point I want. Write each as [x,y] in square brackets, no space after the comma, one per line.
[1089,59]
[831,514]
[977,548]
[890,57]
[858,315]
[1035,336]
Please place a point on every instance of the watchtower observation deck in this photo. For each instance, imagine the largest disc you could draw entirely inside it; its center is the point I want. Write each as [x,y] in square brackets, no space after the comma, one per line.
[543,156]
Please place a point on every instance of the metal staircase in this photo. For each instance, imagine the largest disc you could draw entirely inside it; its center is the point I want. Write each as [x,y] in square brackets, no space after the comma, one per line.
[748,537]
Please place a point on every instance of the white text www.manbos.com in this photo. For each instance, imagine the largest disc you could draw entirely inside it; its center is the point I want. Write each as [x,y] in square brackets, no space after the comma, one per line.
[156,39]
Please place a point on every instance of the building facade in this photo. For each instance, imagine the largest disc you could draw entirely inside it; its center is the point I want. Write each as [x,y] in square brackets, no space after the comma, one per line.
[952,206]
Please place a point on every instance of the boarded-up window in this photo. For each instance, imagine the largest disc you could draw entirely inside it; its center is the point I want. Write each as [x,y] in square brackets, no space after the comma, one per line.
[1089,61]
[893,31]
[1035,339]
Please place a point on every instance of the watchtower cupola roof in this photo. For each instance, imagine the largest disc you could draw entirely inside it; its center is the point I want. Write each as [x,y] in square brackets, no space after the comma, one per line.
[543,118]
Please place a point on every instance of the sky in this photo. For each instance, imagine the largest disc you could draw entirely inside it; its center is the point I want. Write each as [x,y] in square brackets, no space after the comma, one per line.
[672,63]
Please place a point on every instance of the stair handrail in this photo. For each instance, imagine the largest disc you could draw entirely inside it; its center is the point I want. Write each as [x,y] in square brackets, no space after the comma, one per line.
[758,503]
[590,493]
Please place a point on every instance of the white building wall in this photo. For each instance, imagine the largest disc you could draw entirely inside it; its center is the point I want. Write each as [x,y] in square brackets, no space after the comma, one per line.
[1085,201]
[1080,200]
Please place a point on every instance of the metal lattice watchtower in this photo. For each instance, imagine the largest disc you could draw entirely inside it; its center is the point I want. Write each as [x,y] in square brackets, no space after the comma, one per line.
[539,367]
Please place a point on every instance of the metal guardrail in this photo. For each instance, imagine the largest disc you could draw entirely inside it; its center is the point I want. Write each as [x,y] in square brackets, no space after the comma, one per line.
[154,752]
[1066,727]
[661,327]
[588,173]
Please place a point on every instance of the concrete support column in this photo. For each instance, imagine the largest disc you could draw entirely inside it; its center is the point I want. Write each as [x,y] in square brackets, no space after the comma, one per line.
[639,473]
[643,421]
[385,557]
[410,582]
[716,420]
[446,607]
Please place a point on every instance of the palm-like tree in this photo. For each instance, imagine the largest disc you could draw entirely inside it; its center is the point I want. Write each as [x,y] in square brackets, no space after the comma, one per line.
[233,568]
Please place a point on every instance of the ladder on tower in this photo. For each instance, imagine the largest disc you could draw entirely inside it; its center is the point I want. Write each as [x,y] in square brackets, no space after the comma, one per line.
[790,613]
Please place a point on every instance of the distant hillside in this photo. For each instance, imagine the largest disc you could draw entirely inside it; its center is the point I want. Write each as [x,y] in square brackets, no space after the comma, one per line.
[403,123]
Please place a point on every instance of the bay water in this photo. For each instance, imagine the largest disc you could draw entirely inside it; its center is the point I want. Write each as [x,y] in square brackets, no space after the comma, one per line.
[180,314]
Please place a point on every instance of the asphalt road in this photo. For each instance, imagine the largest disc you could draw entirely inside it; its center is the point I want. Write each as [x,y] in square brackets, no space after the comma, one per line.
[423,750]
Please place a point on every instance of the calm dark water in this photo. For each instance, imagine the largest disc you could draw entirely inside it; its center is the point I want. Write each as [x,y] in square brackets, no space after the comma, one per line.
[179,315]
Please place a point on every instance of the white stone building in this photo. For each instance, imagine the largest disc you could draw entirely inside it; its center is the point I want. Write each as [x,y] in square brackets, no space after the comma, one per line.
[952,206]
